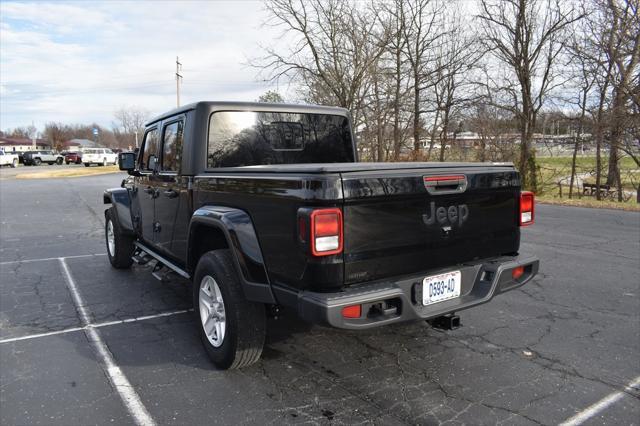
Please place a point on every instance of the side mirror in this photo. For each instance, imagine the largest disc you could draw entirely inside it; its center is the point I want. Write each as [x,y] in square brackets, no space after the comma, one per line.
[127,161]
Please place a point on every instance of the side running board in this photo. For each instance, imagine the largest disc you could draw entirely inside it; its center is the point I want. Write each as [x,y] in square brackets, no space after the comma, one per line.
[162,261]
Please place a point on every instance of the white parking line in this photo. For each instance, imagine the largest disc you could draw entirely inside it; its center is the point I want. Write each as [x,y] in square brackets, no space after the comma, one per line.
[51,258]
[117,378]
[601,405]
[95,325]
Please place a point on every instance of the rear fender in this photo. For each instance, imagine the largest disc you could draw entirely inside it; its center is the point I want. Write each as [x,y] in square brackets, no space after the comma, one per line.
[119,198]
[241,239]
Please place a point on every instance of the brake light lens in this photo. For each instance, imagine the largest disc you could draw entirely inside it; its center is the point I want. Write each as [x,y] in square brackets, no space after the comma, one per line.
[326,232]
[527,203]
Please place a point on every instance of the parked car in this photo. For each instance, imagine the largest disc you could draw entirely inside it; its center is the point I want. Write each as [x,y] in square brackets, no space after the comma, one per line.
[8,159]
[73,157]
[264,207]
[35,158]
[99,156]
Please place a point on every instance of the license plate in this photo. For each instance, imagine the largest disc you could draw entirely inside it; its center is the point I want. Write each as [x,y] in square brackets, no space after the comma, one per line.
[438,288]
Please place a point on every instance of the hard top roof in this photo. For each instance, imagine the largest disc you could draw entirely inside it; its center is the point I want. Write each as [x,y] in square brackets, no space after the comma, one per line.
[252,106]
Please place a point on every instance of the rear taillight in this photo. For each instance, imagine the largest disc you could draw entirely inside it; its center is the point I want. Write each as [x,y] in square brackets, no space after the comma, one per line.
[527,207]
[326,232]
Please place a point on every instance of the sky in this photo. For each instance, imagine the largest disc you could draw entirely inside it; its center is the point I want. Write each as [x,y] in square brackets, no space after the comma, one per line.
[79,62]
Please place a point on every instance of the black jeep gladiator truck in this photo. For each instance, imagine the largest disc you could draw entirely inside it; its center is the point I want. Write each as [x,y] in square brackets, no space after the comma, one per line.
[264,206]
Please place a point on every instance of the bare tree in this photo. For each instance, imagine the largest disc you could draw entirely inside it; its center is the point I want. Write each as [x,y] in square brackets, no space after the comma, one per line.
[527,36]
[57,134]
[27,132]
[335,45]
[456,57]
[623,50]
[611,49]
[585,76]
[395,28]
[421,21]
[129,125]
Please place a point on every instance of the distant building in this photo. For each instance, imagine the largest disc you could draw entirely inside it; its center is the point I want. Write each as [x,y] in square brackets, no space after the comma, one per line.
[22,144]
[79,144]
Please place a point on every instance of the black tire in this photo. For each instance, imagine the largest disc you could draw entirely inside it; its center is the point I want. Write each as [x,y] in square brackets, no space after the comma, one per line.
[87,164]
[37,162]
[245,322]
[59,161]
[122,250]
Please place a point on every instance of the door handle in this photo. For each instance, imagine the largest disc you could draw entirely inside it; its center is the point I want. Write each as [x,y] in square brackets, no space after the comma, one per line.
[170,193]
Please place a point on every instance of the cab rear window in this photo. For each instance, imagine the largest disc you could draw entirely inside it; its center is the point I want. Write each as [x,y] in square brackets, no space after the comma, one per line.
[246,138]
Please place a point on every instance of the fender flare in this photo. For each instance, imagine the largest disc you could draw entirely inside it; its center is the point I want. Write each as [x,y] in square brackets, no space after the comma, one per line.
[237,227]
[119,198]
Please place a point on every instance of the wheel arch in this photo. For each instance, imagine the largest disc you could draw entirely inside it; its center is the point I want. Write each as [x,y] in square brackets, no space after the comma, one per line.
[119,199]
[217,227]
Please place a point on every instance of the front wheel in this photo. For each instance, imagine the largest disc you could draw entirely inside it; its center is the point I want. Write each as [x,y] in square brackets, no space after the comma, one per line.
[231,328]
[119,245]
[59,161]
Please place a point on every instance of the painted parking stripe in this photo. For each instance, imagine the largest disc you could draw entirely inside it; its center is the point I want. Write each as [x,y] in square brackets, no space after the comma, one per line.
[603,404]
[10,262]
[117,378]
[95,325]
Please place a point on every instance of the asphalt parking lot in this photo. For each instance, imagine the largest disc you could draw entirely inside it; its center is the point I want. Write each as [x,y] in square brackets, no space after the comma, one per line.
[564,347]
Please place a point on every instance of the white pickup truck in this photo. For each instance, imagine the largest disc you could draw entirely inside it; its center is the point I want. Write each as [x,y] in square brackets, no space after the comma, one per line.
[7,159]
[99,156]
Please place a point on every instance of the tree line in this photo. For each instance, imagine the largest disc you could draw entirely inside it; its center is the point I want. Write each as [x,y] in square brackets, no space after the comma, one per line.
[128,124]
[415,73]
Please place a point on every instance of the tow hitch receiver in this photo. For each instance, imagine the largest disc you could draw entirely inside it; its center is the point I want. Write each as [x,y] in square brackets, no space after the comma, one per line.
[445,322]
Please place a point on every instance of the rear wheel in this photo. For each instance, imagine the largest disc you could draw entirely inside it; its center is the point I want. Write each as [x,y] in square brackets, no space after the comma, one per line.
[119,245]
[87,164]
[231,328]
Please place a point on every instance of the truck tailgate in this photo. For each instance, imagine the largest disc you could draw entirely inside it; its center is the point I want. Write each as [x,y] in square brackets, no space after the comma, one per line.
[404,221]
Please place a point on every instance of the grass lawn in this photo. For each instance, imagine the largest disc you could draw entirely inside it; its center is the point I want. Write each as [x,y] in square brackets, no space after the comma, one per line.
[66,173]
[558,169]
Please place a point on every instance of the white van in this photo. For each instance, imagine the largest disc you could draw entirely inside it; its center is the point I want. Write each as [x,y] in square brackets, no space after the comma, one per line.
[99,156]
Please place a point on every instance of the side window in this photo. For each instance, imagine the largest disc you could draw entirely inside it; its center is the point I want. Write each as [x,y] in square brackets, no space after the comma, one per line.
[172,146]
[149,149]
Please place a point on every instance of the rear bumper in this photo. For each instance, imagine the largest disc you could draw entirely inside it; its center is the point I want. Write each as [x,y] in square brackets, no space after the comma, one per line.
[387,302]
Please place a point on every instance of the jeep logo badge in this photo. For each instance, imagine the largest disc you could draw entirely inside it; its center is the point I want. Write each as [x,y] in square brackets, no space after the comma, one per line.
[451,215]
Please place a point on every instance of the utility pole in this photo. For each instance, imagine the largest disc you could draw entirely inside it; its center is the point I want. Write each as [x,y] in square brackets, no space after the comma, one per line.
[178,79]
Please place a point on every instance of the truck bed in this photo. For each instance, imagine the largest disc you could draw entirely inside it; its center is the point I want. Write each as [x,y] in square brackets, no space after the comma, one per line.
[389,224]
